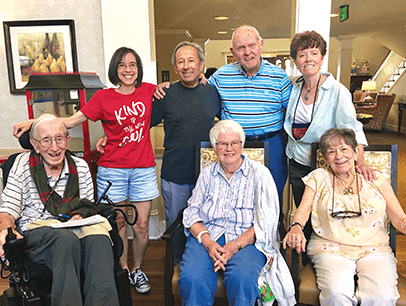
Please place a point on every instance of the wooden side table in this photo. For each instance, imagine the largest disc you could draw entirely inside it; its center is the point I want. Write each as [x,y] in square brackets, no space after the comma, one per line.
[401,107]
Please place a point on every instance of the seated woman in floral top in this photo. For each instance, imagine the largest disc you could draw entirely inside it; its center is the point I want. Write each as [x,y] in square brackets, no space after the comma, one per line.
[349,236]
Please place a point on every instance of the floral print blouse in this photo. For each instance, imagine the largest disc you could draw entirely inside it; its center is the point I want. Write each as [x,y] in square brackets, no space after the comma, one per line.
[352,238]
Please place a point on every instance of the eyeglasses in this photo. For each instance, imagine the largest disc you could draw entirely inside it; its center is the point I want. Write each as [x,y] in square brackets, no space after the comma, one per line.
[47,142]
[224,145]
[346,214]
[123,66]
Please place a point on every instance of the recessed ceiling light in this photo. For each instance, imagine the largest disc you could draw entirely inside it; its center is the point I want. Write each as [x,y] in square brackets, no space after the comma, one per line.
[221,18]
[222,32]
[334,15]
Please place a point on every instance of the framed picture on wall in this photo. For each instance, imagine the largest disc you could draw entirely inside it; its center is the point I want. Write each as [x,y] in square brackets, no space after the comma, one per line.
[38,46]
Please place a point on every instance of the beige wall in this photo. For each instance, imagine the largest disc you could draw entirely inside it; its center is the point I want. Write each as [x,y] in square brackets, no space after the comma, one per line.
[164,48]
[365,47]
[87,16]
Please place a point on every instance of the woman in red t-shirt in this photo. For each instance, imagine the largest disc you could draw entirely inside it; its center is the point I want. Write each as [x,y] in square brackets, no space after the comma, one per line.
[128,160]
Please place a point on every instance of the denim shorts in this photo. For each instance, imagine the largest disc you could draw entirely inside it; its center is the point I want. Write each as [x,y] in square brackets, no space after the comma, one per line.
[137,184]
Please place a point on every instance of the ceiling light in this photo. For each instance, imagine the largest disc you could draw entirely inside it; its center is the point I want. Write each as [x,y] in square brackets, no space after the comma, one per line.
[334,15]
[222,32]
[221,18]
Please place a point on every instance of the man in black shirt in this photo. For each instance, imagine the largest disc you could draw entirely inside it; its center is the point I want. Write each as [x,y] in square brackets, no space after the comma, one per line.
[188,111]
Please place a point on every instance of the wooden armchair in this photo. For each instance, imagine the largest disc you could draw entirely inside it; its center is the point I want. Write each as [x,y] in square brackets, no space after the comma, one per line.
[383,158]
[205,155]
[379,111]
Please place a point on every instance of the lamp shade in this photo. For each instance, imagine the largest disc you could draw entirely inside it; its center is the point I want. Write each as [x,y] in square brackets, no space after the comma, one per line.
[368,86]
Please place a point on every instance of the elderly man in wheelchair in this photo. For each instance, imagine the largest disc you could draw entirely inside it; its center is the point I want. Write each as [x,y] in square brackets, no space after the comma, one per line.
[47,186]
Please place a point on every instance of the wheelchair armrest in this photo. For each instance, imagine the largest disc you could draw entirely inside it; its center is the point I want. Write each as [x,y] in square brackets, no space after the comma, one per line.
[110,214]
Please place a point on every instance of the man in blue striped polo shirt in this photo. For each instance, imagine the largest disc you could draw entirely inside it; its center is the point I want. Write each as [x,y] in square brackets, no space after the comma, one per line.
[255,93]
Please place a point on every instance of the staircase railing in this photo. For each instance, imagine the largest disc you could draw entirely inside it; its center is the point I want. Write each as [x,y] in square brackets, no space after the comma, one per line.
[391,69]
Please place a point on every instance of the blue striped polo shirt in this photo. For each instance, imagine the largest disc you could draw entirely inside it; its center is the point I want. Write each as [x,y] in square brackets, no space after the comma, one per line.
[256,102]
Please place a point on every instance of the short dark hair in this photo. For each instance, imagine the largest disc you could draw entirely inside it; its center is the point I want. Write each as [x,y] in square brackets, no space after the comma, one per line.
[116,60]
[305,40]
[347,135]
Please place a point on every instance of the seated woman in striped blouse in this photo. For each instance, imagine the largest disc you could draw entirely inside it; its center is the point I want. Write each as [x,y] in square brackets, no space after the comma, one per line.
[227,229]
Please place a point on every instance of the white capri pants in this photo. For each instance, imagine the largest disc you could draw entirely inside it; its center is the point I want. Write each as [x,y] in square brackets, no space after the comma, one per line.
[376,285]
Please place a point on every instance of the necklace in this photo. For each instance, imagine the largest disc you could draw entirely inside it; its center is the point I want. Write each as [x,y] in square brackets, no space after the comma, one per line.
[346,213]
[307,96]
[349,189]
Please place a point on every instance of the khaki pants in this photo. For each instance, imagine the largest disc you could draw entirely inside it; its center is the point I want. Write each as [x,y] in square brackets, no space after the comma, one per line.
[376,284]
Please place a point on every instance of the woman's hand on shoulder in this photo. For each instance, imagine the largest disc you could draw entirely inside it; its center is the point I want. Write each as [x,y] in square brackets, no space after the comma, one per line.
[159,92]
[367,172]
[20,128]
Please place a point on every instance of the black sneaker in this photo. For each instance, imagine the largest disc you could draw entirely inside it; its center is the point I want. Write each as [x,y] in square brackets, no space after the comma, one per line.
[140,281]
[131,278]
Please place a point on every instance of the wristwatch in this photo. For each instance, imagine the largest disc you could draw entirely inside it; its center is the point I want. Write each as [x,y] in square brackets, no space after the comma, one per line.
[199,236]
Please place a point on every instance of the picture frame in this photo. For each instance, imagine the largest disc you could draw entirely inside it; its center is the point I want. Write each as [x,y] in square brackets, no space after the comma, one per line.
[38,46]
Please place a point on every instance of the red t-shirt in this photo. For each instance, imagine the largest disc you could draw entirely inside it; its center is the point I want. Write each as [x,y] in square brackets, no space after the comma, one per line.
[126,120]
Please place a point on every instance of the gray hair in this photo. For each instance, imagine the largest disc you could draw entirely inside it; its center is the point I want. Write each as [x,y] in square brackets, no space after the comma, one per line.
[226,127]
[347,135]
[199,50]
[247,27]
[42,119]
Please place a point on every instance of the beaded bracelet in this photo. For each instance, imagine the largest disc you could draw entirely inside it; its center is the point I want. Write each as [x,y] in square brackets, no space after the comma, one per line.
[297,222]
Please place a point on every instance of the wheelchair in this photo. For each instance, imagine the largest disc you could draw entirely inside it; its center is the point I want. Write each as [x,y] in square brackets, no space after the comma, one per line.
[30,282]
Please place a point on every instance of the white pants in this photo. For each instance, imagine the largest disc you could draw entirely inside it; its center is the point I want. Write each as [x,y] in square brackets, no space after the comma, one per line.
[376,285]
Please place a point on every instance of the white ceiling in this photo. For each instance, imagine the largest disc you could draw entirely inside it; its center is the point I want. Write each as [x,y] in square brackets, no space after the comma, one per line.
[382,20]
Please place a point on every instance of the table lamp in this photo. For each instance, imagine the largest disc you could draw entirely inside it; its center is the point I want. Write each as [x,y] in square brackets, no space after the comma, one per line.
[367,87]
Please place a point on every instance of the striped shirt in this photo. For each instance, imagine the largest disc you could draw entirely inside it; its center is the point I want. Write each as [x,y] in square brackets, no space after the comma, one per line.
[256,102]
[225,206]
[20,197]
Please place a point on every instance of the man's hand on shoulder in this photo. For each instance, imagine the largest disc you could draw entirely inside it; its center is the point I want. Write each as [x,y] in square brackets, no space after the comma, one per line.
[159,90]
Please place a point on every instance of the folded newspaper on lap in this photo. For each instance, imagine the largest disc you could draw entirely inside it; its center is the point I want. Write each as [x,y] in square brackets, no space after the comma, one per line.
[75,223]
